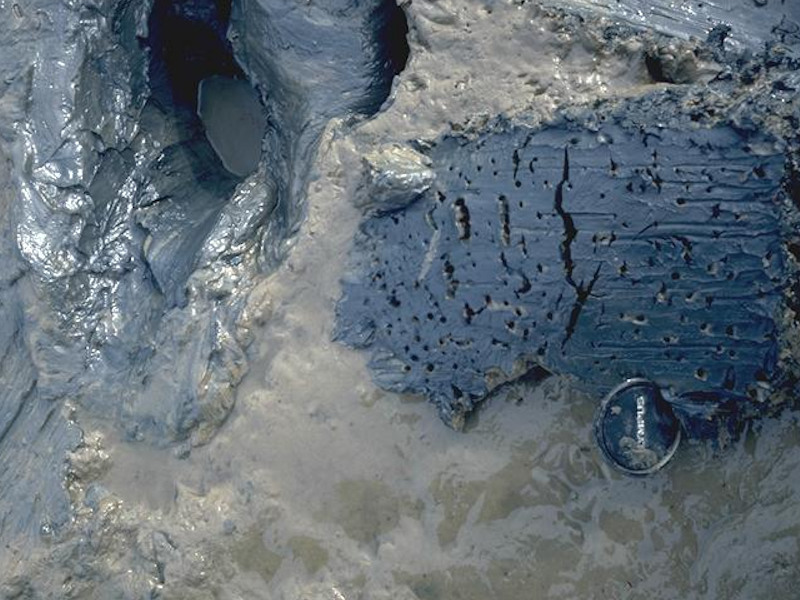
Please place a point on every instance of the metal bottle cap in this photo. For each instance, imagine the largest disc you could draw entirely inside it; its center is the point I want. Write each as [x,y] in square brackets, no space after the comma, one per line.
[636,428]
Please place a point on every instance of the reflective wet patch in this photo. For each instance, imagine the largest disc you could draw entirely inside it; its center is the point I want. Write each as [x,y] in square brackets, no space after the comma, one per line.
[234,120]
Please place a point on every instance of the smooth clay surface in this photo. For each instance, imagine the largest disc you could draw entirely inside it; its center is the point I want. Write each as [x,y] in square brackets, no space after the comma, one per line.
[234,121]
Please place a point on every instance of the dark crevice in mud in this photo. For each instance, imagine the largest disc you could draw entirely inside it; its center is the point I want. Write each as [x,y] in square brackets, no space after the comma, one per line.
[582,292]
[581,296]
[202,163]
[655,68]
[194,76]
[188,43]
[391,42]
[570,232]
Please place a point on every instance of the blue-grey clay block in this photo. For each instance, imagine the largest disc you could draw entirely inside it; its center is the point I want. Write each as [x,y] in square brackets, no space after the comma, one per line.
[603,248]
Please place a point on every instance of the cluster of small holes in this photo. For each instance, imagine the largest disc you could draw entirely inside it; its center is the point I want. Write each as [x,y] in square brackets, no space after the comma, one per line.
[492,284]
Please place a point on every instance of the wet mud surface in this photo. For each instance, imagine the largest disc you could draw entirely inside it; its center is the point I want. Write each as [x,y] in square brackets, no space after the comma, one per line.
[178,420]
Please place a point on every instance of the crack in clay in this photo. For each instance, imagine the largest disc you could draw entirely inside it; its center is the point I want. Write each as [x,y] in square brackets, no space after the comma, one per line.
[570,233]
[582,295]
